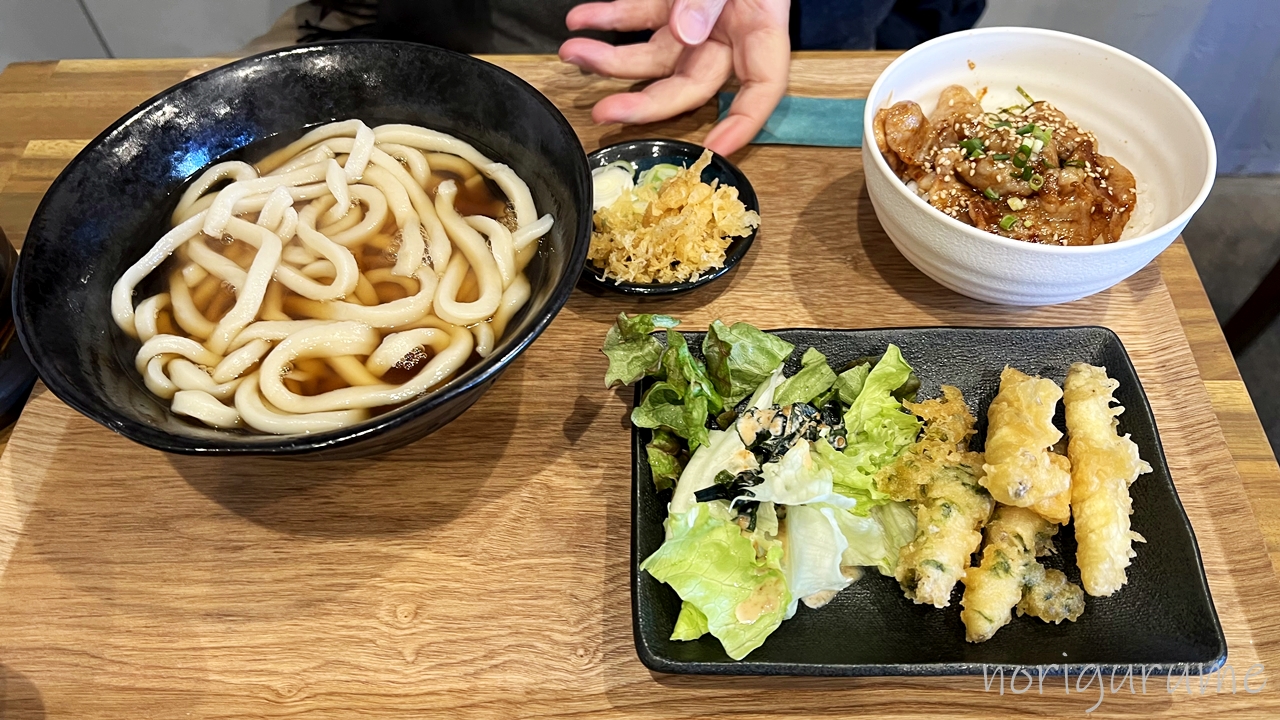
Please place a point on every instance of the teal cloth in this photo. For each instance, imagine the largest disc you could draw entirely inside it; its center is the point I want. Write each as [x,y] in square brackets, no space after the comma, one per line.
[825,122]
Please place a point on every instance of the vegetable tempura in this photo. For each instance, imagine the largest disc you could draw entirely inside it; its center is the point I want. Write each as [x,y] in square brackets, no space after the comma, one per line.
[1009,575]
[938,475]
[1020,468]
[1104,464]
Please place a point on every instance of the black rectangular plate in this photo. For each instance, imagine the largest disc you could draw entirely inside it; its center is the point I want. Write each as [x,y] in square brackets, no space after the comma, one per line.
[1163,618]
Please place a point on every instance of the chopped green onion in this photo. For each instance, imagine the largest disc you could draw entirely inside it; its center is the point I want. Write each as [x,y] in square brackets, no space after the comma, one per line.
[1037,181]
[1026,129]
[1043,135]
[1021,157]
[975,146]
[1074,163]
[1002,124]
[1000,156]
[991,193]
[1007,222]
[1024,94]
[1027,173]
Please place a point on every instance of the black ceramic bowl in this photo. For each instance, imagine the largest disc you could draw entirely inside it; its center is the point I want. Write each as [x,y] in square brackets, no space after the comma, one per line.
[647,153]
[111,203]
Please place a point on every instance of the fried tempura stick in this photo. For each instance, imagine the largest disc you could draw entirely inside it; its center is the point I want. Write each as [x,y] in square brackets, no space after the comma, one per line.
[1020,469]
[939,476]
[1104,464]
[1015,536]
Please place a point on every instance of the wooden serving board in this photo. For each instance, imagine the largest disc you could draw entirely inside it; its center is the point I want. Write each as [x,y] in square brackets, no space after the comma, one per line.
[484,571]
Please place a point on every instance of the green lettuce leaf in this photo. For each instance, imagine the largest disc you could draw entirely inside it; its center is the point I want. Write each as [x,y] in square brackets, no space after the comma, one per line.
[878,427]
[667,457]
[713,567]
[663,407]
[795,479]
[814,378]
[741,357]
[687,374]
[899,523]
[691,624]
[849,383]
[632,351]
[873,540]
[849,478]
[724,451]
[815,548]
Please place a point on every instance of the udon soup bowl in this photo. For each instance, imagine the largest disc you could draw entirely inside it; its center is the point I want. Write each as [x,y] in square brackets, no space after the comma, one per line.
[1140,117]
[112,202]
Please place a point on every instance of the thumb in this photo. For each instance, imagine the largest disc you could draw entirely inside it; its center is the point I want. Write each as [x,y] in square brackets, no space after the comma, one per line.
[692,20]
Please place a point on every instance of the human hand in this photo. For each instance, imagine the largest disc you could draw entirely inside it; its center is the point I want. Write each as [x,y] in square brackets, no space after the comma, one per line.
[696,45]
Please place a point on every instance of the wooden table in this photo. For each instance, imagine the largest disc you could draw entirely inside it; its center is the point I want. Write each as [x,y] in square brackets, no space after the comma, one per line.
[483,572]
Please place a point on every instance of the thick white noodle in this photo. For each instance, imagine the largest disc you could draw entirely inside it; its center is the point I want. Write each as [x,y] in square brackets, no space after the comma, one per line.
[353,217]
[352,338]
[272,212]
[483,333]
[122,291]
[240,359]
[272,330]
[438,247]
[192,274]
[344,128]
[358,160]
[255,203]
[216,264]
[147,315]
[259,416]
[419,168]
[220,212]
[477,254]
[504,251]
[249,298]
[188,376]
[236,171]
[532,232]
[298,255]
[412,249]
[175,345]
[185,313]
[513,298]
[387,315]
[336,179]
[157,382]
[205,408]
[370,221]
[288,225]
[515,189]
[319,153]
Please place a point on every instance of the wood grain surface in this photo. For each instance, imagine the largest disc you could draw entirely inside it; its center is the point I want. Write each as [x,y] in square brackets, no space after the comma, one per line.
[483,571]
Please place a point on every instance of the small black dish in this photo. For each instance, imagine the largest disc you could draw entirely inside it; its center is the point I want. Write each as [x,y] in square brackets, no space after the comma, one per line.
[1163,620]
[647,153]
[112,202]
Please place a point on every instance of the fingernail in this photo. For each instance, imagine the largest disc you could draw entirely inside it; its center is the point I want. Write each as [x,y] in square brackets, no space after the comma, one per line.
[695,26]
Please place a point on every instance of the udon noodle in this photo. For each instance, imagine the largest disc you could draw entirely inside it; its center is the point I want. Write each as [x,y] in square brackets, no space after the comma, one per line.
[351,271]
